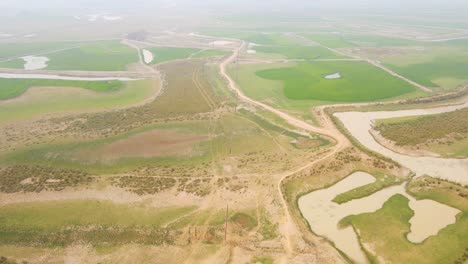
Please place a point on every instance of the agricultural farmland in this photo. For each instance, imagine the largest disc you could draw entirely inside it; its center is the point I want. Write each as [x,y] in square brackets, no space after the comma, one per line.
[242,133]
[93,56]
[51,96]
[165,54]
[306,81]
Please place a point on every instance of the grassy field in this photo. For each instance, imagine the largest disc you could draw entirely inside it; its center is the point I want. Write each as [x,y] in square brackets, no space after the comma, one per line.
[209,53]
[270,91]
[330,40]
[340,40]
[60,100]
[252,37]
[11,50]
[92,56]
[12,88]
[445,134]
[382,181]
[359,82]
[230,136]
[55,223]
[442,65]
[98,56]
[299,52]
[188,92]
[434,64]
[164,54]
[449,246]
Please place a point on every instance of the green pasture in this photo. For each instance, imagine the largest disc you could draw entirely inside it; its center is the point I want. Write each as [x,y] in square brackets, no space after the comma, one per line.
[106,55]
[359,82]
[11,88]
[163,54]
[391,244]
[102,95]
[299,52]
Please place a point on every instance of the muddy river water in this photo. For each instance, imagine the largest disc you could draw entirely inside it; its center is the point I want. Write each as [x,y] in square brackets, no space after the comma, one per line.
[359,124]
[323,215]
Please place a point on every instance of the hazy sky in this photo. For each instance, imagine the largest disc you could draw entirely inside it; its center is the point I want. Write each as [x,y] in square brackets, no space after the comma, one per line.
[270,3]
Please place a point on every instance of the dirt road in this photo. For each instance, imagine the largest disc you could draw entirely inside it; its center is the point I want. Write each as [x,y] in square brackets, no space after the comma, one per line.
[287,226]
[290,119]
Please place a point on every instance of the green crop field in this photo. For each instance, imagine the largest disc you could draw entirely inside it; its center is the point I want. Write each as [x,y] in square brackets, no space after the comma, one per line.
[330,40]
[11,50]
[101,95]
[359,82]
[270,91]
[167,53]
[93,56]
[340,40]
[164,54]
[253,37]
[433,69]
[210,53]
[98,56]
[378,41]
[11,88]
[299,52]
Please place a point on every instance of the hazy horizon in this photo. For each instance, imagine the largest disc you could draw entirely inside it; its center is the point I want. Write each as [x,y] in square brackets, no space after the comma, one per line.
[394,4]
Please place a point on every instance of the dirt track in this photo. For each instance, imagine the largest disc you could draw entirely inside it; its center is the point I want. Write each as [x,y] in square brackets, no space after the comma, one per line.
[287,226]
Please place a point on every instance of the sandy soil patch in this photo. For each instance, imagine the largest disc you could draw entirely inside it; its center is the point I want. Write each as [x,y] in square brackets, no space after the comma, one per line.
[148,56]
[152,144]
[324,215]
[35,63]
[360,123]
[251,51]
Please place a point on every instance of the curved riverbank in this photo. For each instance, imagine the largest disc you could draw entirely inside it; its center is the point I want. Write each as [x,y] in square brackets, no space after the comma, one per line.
[359,125]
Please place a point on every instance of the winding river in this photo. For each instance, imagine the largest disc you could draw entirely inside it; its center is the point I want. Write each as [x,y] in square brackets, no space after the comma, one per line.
[360,123]
[323,215]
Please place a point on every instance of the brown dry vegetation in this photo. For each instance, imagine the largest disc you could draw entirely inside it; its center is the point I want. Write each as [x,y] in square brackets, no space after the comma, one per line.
[185,91]
[23,178]
[151,144]
[425,129]
[443,135]
[188,94]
